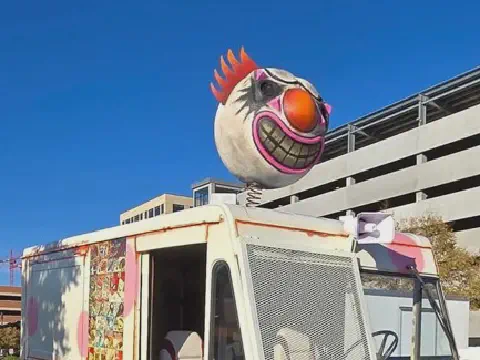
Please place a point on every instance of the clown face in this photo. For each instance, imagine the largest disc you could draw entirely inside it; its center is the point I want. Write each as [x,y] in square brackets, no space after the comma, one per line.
[270,125]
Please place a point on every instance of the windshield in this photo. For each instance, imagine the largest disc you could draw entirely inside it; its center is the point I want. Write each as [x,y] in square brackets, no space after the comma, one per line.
[390,312]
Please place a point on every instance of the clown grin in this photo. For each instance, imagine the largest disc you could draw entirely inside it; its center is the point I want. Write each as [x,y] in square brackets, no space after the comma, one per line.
[287,151]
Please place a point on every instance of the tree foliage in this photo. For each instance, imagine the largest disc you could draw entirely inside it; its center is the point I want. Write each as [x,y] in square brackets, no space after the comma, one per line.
[10,337]
[459,270]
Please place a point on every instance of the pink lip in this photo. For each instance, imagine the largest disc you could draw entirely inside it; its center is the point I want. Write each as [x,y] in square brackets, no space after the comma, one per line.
[297,138]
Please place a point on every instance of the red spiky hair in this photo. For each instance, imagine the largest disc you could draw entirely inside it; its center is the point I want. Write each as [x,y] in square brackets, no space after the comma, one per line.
[232,76]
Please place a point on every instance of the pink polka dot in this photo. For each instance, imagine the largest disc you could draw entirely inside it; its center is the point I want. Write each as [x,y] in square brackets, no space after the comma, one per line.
[82,334]
[130,280]
[404,252]
[32,316]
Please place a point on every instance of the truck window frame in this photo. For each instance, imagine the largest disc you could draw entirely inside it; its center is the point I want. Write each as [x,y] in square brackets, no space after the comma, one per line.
[218,266]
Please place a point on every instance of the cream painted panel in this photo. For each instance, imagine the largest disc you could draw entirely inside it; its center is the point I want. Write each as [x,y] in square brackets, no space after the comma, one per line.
[336,241]
[174,237]
[60,290]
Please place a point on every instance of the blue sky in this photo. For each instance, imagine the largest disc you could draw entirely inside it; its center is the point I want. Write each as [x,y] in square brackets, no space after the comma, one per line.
[106,104]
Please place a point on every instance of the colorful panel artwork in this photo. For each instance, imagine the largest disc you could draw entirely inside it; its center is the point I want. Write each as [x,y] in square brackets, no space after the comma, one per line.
[107,284]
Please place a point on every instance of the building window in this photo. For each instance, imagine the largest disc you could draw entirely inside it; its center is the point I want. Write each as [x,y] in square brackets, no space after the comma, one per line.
[136,218]
[123,222]
[226,335]
[141,216]
[226,190]
[201,197]
[127,221]
[150,213]
[177,208]
[159,210]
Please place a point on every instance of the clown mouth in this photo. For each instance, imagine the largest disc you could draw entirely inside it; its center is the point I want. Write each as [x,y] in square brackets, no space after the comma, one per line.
[286,151]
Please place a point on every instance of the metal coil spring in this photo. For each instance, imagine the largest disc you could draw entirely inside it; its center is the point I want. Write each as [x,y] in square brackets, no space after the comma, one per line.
[253,195]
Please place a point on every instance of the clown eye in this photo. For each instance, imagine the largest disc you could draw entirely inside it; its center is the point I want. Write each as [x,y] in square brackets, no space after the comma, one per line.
[269,89]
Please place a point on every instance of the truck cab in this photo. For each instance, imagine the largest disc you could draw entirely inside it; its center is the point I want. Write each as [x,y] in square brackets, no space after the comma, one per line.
[221,282]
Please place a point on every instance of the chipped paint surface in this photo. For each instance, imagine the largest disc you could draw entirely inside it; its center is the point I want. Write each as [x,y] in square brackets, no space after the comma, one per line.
[82,334]
[404,252]
[32,315]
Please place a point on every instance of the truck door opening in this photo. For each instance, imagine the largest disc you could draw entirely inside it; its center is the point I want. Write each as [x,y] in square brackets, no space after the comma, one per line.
[177,293]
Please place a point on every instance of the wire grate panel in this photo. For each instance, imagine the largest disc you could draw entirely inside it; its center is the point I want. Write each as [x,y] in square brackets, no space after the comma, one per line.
[307,305]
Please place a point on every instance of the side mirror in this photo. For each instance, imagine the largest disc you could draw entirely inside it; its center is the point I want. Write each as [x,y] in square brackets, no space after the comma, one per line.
[370,228]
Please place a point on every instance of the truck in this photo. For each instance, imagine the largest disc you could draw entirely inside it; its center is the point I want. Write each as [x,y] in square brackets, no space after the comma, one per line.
[228,282]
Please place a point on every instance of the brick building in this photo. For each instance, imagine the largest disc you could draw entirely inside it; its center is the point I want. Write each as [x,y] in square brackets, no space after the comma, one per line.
[10,304]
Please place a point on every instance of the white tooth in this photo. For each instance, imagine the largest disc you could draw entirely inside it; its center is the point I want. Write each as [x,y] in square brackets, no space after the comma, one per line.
[304,150]
[290,160]
[310,160]
[300,163]
[312,149]
[268,126]
[279,154]
[295,150]
[263,134]
[270,145]
[278,135]
[287,144]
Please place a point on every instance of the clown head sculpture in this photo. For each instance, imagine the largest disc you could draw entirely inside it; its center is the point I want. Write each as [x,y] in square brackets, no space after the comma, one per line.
[270,125]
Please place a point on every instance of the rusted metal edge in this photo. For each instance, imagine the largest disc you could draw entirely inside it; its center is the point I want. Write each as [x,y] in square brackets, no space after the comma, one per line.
[87,243]
[400,243]
[309,232]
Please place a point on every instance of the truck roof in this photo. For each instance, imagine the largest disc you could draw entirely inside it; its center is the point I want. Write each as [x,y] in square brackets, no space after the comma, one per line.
[229,215]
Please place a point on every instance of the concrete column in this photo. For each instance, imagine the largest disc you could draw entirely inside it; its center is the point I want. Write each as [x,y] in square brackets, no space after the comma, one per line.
[422,120]
[350,181]
[350,148]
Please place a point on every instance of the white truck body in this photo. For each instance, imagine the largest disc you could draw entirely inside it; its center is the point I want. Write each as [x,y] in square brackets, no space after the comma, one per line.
[212,282]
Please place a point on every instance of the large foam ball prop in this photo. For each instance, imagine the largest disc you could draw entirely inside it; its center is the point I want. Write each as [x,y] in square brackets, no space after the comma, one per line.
[270,125]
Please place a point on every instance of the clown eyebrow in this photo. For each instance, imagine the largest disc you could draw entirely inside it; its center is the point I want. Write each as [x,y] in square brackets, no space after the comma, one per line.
[246,98]
[294,82]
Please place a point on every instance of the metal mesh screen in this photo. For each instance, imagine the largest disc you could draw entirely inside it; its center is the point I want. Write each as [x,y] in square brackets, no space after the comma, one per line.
[307,305]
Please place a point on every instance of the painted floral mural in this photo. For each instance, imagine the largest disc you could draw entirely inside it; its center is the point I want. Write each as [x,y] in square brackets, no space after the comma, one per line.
[106,305]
